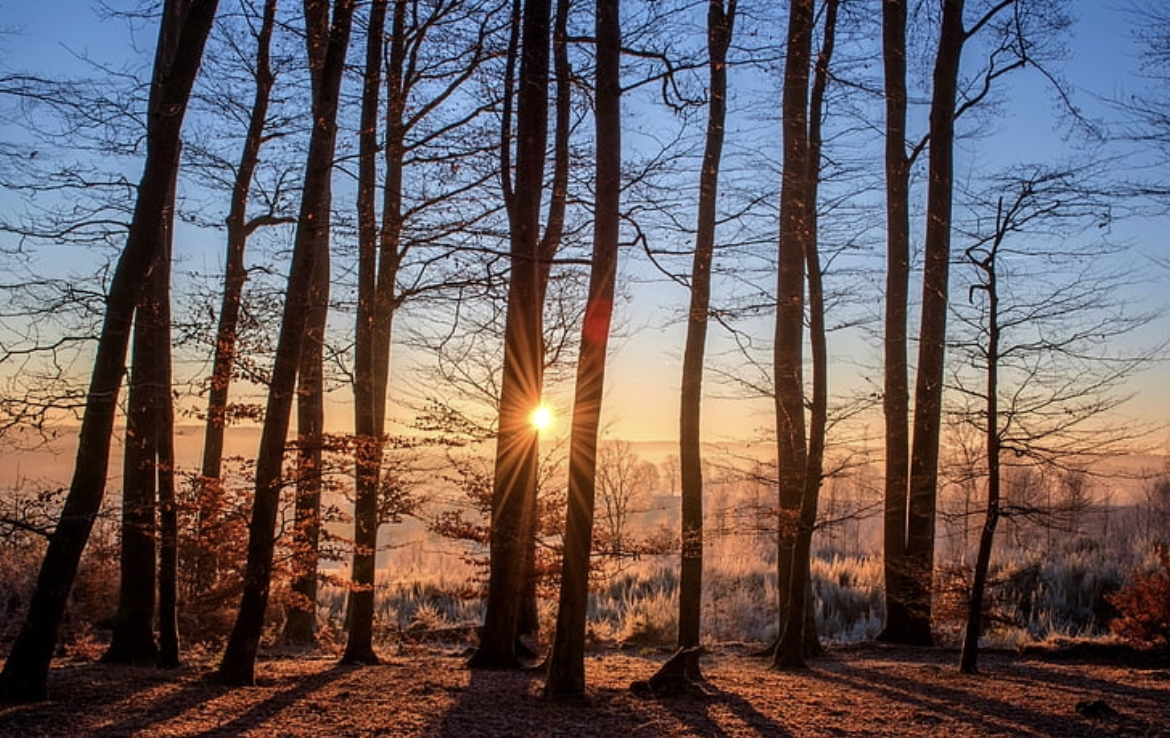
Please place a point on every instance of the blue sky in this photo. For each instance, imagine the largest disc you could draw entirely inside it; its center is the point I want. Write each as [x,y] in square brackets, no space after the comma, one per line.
[47,37]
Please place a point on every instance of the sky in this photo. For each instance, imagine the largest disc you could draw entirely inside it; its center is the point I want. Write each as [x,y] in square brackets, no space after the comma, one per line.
[642,387]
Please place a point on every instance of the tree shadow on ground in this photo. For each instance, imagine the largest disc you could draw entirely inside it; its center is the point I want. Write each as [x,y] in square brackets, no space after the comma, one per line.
[950,698]
[697,706]
[144,700]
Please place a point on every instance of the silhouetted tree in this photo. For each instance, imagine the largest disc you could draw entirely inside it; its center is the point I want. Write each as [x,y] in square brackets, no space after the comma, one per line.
[720,25]
[327,43]
[1035,334]
[566,668]
[520,390]
[183,32]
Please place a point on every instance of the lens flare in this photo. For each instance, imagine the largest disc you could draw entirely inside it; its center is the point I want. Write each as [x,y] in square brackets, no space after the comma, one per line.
[542,417]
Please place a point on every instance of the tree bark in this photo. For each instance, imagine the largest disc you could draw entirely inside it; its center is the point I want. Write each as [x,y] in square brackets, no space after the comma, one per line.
[369,391]
[300,625]
[234,278]
[168,511]
[327,45]
[132,641]
[182,35]
[818,340]
[792,451]
[968,658]
[550,242]
[896,393]
[720,25]
[932,331]
[566,669]
[516,444]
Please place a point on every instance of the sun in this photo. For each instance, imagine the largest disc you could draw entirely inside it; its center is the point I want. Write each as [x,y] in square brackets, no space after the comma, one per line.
[542,417]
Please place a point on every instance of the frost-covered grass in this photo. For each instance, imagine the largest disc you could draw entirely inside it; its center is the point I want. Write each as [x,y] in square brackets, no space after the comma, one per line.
[1033,596]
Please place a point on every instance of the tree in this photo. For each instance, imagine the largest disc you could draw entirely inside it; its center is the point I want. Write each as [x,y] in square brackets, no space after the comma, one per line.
[566,668]
[800,459]
[327,43]
[1040,313]
[895,395]
[183,31]
[238,227]
[149,430]
[720,25]
[516,451]
[1018,33]
[623,480]
[373,305]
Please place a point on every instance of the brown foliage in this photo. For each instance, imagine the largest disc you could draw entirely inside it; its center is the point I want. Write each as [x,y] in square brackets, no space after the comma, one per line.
[1145,606]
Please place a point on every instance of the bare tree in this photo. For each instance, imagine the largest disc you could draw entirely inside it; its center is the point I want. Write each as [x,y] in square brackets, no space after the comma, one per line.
[1036,335]
[238,227]
[796,208]
[720,25]
[182,34]
[327,43]
[566,669]
[515,476]
[1016,34]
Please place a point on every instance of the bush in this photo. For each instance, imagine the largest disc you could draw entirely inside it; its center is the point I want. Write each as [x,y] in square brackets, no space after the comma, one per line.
[1144,605]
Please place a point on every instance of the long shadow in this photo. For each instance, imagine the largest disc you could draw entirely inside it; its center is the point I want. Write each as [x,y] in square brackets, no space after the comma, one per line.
[89,688]
[263,712]
[195,695]
[693,709]
[486,692]
[991,715]
[1082,684]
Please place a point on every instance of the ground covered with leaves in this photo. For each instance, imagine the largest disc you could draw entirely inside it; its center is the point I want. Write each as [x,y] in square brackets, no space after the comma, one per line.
[864,690]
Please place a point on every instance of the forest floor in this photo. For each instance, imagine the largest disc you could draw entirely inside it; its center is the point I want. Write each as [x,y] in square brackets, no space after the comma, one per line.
[864,690]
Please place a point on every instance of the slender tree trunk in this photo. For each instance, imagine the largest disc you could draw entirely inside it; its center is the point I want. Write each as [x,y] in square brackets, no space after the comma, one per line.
[968,659]
[133,641]
[168,513]
[168,510]
[327,45]
[516,445]
[720,24]
[895,399]
[301,616]
[792,451]
[818,342]
[932,331]
[183,32]
[369,393]
[234,278]
[566,669]
[529,619]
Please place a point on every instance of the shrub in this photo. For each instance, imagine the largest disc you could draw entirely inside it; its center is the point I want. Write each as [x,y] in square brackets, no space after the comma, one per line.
[1144,605]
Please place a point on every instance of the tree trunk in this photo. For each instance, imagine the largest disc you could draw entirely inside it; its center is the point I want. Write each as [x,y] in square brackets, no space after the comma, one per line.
[300,624]
[235,275]
[516,444]
[720,24]
[895,398]
[968,659]
[168,549]
[168,510]
[133,641]
[327,45]
[369,382]
[182,34]
[792,452]
[566,669]
[550,242]
[932,331]
[818,348]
